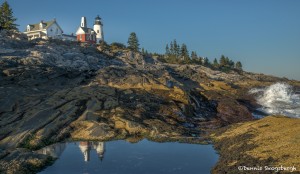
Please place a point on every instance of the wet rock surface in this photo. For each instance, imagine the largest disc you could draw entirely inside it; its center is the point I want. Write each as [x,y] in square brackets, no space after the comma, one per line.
[52,90]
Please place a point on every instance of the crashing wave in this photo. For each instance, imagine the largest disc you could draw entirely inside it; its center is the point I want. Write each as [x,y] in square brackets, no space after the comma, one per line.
[278,98]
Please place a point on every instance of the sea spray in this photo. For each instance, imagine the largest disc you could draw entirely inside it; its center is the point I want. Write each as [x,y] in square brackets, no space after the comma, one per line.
[278,98]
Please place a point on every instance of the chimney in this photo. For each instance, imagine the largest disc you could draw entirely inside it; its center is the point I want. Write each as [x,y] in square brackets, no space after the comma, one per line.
[83,22]
[42,25]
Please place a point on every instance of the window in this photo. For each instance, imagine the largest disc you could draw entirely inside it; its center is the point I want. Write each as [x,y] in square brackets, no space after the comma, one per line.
[98,31]
[80,37]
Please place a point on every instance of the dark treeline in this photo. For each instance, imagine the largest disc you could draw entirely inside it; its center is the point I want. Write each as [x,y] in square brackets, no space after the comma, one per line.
[179,54]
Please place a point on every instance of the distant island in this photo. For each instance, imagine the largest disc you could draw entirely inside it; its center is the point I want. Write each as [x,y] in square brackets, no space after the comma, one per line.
[57,88]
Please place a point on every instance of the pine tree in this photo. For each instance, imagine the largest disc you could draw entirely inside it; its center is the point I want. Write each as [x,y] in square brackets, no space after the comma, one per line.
[222,61]
[7,20]
[167,51]
[172,52]
[215,63]
[176,48]
[177,51]
[200,60]
[143,51]
[206,61]
[194,56]
[195,59]
[231,64]
[133,42]
[239,65]
[227,61]
[184,53]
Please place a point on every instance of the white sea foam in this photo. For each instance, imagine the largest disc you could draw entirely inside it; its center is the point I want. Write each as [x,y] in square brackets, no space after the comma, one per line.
[278,98]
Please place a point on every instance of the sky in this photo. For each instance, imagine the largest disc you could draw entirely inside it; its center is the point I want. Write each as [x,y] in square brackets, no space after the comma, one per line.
[263,34]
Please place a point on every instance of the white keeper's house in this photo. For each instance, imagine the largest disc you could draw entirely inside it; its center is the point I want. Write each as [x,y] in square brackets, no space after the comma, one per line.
[47,29]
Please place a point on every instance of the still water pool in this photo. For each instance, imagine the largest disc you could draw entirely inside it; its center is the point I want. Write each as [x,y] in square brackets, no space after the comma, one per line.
[144,157]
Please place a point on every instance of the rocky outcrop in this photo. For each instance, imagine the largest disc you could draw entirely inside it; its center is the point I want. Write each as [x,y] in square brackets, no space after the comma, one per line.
[52,90]
[272,141]
[23,161]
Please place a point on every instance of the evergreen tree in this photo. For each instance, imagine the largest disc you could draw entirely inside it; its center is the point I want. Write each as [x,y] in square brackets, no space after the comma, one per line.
[176,48]
[231,64]
[7,20]
[172,52]
[200,60]
[227,61]
[239,65]
[133,42]
[184,53]
[206,61]
[215,63]
[143,51]
[194,56]
[222,61]
[167,50]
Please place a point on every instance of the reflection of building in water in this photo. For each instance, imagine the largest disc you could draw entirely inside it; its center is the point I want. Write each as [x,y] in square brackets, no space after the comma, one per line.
[86,147]
[54,150]
[100,149]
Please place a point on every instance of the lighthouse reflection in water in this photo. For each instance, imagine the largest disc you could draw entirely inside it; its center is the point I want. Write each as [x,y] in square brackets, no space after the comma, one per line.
[113,157]
[86,147]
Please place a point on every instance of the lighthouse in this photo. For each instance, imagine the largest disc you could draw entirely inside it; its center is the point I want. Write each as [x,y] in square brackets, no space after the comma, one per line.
[85,148]
[98,28]
[100,149]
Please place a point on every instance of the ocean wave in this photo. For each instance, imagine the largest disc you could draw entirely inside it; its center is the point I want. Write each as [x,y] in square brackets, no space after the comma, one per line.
[278,99]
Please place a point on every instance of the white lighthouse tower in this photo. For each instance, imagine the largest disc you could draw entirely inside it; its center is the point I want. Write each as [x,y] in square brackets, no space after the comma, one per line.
[98,28]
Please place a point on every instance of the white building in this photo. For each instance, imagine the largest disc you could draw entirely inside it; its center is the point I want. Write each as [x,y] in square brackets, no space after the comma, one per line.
[46,30]
[90,35]
[68,37]
[98,28]
[100,149]
[85,34]
[85,148]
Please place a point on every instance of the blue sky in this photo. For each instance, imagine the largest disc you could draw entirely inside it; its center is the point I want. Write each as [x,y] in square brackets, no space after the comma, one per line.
[263,34]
